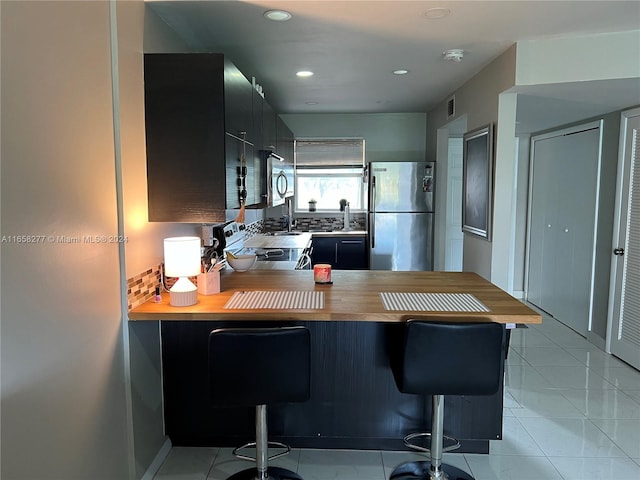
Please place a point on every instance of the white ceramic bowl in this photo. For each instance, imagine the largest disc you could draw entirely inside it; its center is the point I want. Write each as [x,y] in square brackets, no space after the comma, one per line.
[241,263]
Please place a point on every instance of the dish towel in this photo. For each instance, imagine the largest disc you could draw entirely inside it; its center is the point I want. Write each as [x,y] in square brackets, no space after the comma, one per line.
[291,300]
[432,302]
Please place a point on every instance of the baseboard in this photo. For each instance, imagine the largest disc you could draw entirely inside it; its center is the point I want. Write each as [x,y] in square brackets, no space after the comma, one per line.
[158,460]
[518,294]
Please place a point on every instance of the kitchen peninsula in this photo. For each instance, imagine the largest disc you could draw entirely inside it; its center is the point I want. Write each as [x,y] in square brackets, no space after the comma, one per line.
[355,329]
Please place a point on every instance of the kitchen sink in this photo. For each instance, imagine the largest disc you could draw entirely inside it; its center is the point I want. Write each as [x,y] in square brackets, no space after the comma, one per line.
[279,234]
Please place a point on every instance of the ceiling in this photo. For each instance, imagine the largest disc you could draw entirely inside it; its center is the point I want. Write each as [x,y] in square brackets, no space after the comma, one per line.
[354,46]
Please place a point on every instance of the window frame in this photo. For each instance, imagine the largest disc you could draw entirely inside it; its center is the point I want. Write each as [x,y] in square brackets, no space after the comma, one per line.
[299,204]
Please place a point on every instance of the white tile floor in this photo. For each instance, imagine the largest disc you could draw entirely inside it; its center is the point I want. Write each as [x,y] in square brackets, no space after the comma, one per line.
[571,412]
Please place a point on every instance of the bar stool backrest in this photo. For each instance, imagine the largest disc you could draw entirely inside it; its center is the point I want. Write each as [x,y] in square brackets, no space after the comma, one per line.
[450,358]
[259,366]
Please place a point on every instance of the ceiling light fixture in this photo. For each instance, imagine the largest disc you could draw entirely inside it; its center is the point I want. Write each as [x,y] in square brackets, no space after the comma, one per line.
[304,73]
[277,15]
[453,55]
[401,71]
[437,13]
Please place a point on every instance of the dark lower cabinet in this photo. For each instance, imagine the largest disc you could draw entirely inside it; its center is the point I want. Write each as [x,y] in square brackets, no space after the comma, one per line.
[342,253]
[354,402]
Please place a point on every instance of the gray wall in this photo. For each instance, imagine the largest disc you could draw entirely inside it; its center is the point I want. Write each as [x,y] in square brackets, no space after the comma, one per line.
[81,389]
[478,101]
[64,411]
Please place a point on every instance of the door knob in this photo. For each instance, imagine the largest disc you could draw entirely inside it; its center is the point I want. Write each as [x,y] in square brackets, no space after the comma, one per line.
[618,251]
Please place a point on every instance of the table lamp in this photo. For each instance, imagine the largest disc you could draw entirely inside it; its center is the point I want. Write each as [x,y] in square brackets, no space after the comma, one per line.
[182,260]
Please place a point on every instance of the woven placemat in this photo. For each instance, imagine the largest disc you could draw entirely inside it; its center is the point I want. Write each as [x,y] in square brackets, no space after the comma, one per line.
[263,299]
[432,302]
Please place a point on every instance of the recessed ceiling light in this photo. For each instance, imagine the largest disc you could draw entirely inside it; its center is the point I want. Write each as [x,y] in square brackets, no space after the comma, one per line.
[304,73]
[401,71]
[277,15]
[437,13]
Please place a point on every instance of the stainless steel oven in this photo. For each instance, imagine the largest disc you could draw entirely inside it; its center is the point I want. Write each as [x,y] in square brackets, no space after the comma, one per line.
[295,258]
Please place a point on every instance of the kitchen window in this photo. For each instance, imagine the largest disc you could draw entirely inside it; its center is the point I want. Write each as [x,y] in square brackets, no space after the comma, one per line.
[327,171]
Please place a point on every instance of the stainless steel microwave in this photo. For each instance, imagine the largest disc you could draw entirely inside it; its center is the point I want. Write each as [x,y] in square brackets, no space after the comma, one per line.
[280,179]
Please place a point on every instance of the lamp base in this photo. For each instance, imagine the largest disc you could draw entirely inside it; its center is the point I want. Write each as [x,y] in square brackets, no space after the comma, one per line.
[183,293]
[183,299]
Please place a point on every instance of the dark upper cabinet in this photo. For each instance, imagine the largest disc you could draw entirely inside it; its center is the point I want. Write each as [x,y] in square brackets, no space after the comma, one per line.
[259,192]
[238,100]
[193,166]
[284,140]
[203,117]
[184,96]
[269,119]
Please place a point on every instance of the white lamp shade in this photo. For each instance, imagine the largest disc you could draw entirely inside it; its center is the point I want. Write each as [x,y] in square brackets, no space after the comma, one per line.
[182,256]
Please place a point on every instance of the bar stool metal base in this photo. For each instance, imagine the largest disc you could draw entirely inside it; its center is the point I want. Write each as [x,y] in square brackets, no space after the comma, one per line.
[454,443]
[422,471]
[273,473]
[236,451]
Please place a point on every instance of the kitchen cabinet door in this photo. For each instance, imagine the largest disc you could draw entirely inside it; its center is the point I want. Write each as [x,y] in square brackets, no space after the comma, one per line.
[284,140]
[238,96]
[185,131]
[324,251]
[352,253]
[342,253]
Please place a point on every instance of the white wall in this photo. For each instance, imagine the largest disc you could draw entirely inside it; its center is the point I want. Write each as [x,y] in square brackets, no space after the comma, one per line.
[63,402]
[579,58]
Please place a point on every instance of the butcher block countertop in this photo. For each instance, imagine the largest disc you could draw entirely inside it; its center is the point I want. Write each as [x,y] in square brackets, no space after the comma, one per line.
[353,296]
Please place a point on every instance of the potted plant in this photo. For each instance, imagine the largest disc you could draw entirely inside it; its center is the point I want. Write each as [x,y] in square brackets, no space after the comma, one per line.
[343,203]
[312,205]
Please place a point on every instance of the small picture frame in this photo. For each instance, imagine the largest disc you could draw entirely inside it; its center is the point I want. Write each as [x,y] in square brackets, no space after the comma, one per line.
[477,181]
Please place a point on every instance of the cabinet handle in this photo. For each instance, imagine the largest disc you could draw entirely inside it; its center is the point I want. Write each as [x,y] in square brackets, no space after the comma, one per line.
[358,242]
[336,254]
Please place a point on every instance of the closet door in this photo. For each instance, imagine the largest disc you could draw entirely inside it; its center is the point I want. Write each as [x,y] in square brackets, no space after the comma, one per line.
[624,315]
[564,197]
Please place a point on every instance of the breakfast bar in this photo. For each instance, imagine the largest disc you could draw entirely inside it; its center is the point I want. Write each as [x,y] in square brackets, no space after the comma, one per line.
[355,323]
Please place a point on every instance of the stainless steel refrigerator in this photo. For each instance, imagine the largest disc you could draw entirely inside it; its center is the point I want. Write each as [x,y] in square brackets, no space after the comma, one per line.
[400,218]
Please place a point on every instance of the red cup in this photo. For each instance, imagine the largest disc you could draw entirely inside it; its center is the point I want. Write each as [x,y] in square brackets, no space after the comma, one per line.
[322,273]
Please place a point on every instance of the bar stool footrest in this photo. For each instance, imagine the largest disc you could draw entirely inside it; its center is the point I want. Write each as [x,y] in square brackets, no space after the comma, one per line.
[454,444]
[236,450]
[274,473]
[422,471]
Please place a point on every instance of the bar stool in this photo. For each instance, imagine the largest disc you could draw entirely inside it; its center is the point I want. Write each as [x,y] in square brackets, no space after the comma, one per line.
[258,367]
[443,357]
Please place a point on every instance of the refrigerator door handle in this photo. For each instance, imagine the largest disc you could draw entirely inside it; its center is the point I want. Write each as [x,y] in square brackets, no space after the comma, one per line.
[373,194]
[372,212]
[372,229]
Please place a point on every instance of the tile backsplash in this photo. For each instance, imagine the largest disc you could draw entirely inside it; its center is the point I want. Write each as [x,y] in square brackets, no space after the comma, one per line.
[142,287]
[324,224]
